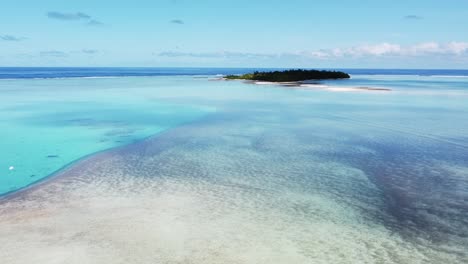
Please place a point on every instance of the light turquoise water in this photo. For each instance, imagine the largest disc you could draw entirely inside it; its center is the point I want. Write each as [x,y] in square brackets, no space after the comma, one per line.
[46,124]
[257,173]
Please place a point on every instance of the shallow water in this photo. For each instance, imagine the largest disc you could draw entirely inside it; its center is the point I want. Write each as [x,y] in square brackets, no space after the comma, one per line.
[46,124]
[255,174]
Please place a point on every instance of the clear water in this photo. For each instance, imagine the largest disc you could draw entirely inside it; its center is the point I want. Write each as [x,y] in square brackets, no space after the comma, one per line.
[243,173]
[47,124]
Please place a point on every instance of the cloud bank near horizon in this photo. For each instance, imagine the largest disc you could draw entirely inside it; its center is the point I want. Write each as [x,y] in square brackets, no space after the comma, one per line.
[385,49]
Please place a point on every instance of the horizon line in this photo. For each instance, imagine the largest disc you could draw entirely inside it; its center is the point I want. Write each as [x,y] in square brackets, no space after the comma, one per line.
[219,67]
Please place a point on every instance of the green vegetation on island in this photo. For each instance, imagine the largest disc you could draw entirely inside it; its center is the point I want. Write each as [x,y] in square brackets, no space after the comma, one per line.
[290,76]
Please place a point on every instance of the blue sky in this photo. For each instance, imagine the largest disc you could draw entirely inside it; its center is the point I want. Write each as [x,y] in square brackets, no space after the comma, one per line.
[236,33]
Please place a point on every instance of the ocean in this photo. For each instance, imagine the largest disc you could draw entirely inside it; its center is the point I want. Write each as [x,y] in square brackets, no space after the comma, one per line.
[151,165]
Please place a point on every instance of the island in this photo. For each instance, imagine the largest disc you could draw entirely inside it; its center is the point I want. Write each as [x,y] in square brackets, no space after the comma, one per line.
[290,76]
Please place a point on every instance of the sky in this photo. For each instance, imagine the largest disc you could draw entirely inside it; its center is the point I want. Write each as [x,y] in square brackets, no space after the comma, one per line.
[235,33]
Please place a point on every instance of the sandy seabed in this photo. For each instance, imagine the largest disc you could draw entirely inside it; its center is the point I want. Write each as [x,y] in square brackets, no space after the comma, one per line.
[275,175]
[215,191]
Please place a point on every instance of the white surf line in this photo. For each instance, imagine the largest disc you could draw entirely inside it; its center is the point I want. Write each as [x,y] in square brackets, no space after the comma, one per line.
[402,131]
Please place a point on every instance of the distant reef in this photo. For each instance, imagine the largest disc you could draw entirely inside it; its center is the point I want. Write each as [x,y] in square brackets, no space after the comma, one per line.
[290,76]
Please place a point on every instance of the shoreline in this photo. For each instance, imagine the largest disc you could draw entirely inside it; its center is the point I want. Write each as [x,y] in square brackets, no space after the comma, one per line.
[56,174]
[62,171]
[316,85]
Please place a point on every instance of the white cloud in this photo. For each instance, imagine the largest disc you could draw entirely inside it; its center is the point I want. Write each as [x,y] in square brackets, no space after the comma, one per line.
[53,53]
[424,48]
[10,38]
[78,16]
[390,49]
[458,47]
[319,54]
[221,54]
[449,51]
[68,16]
[413,17]
[376,50]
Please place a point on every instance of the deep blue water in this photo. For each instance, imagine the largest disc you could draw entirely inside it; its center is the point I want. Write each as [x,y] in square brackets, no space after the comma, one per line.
[67,72]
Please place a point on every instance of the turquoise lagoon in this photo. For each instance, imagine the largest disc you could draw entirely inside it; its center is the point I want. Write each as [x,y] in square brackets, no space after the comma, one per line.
[49,123]
[241,173]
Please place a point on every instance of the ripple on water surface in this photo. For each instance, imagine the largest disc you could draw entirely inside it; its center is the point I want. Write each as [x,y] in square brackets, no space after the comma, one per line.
[294,181]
